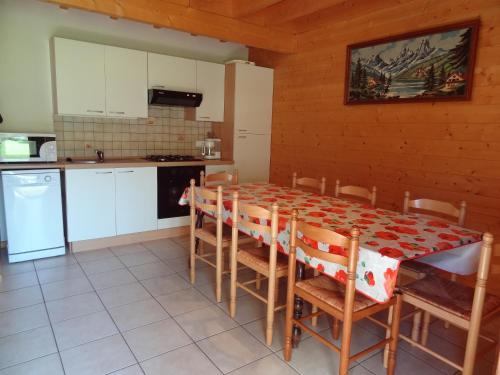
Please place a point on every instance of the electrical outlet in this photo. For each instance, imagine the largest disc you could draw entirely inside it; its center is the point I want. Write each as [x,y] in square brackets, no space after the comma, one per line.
[151,121]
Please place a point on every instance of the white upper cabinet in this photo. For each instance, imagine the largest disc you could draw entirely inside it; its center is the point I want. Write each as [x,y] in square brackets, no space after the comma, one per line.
[171,73]
[210,82]
[80,78]
[126,82]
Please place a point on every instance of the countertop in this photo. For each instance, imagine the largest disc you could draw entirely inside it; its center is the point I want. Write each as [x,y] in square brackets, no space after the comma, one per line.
[111,163]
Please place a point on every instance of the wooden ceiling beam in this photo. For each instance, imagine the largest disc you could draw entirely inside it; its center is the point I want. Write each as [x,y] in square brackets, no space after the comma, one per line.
[174,14]
[289,10]
[243,8]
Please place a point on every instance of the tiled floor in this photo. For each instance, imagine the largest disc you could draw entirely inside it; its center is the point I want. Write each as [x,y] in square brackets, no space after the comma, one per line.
[131,310]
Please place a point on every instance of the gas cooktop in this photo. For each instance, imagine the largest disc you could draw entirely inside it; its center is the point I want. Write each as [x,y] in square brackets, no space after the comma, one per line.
[170,157]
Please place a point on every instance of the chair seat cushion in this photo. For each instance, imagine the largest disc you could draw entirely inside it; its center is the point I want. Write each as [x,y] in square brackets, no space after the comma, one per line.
[332,292]
[448,295]
[258,258]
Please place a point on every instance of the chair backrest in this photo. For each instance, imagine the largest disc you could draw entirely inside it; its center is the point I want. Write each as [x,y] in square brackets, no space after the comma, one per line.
[205,200]
[309,182]
[219,178]
[331,238]
[357,192]
[249,217]
[430,205]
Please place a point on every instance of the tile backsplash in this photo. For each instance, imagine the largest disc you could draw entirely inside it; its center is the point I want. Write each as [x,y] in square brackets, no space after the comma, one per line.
[165,132]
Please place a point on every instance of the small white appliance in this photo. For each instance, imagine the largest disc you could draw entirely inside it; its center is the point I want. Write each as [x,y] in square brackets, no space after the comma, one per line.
[33,214]
[211,148]
[27,148]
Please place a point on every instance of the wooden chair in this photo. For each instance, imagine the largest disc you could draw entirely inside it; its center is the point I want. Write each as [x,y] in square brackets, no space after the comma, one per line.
[332,297]
[266,261]
[308,182]
[357,192]
[210,232]
[219,178]
[462,306]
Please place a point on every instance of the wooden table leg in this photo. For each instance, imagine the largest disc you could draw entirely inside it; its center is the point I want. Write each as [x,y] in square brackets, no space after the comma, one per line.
[298,305]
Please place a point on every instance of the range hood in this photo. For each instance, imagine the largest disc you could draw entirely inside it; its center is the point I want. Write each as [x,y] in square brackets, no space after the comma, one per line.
[175,98]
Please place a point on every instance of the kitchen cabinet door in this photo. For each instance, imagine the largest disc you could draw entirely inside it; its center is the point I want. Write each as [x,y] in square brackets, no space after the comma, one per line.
[126,82]
[171,73]
[90,203]
[80,78]
[136,200]
[210,82]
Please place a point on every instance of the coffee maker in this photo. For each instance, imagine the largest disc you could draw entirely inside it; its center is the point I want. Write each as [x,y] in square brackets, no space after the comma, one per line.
[211,148]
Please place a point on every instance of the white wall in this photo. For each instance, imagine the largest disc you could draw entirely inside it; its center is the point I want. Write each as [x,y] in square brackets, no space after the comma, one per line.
[26,27]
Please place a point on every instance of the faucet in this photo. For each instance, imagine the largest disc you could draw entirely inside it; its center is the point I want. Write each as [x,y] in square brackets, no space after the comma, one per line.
[100,155]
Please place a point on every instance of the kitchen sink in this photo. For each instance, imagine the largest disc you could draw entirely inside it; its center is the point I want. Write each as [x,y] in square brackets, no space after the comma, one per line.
[90,161]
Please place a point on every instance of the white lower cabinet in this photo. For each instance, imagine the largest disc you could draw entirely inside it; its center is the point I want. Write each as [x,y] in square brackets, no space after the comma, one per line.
[109,202]
[135,200]
[90,203]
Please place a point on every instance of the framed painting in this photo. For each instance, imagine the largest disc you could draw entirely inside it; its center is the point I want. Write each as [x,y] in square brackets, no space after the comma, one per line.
[429,65]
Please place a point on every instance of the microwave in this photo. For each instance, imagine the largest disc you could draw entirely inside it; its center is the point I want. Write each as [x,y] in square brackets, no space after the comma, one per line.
[27,148]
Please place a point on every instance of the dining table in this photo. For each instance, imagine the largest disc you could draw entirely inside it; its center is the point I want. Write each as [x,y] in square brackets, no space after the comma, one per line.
[387,238]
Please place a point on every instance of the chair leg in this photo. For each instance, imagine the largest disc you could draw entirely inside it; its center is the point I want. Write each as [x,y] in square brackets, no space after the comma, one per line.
[335,328]
[218,273]
[234,278]
[192,258]
[288,330]
[345,347]
[314,319]
[393,345]
[415,331]
[425,328]
[257,280]
[387,335]
[270,310]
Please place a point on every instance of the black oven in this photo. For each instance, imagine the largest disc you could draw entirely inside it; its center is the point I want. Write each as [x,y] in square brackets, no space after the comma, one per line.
[171,184]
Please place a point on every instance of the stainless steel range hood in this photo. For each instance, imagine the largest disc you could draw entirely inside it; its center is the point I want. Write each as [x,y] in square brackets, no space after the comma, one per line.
[174,98]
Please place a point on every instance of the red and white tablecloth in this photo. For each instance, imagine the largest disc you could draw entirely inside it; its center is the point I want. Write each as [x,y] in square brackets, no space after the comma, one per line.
[387,237]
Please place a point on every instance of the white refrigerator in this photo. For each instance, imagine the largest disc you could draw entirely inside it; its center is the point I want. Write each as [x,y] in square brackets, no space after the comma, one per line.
[253,107]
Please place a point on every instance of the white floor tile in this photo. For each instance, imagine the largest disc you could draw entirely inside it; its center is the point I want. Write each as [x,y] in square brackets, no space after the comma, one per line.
[7,269]
[81,330]
[128,249]
[233,349]
[20,298]
[150,270]
[183,301]
[88,256]
[166,248]
[98,357]
[165,285]
[405,364]
[138,314]
[136,259]
[205,322]
[18,281]
[270,365]
[155,339]
[23,319]
[72,307]
[59,261]
[132,370]
[111,278]
[50,275]
[102,265]
[248,309]
[66,288]
[26,346]
[123,295]
[48,365]
[184,361]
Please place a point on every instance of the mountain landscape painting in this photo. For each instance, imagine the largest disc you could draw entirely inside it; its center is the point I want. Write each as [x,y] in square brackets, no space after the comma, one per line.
[430,65]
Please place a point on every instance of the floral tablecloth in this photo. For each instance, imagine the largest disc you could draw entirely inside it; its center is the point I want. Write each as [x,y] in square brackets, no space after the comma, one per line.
[387,237]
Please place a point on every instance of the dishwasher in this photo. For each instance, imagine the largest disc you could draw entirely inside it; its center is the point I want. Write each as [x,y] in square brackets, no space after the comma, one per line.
[33,213]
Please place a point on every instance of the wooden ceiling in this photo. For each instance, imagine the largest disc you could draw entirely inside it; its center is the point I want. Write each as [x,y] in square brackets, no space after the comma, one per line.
[266,24]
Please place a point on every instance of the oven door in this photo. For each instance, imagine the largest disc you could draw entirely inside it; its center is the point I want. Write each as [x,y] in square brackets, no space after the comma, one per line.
[171,184]
[23,147]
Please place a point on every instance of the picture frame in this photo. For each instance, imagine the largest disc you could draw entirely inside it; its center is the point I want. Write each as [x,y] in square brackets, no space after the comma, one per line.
[429,65]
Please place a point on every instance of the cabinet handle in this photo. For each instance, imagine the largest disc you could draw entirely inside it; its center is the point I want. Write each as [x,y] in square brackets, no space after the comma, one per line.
[158,86]
[103,172]
[204,116]
[126,172]
[242,136]
[117,112]
[242,130]
[94,111]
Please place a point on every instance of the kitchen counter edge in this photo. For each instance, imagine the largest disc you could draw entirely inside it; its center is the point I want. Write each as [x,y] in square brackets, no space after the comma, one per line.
[117,163]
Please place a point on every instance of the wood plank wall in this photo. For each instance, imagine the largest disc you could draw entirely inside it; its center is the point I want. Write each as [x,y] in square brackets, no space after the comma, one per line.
[448,151]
